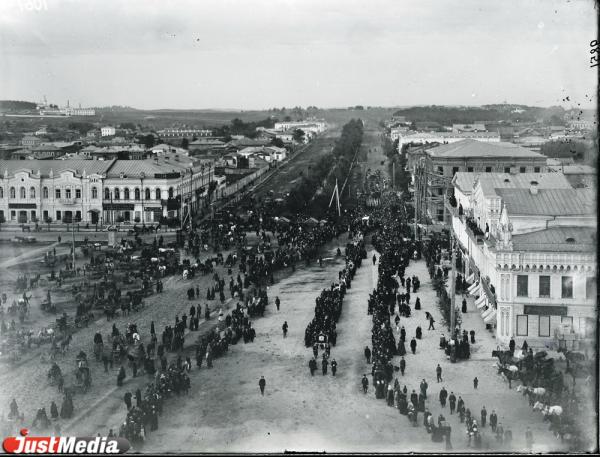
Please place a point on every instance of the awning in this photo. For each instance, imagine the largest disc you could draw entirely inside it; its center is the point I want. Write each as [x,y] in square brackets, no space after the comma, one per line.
[487,313]
[471,278]
[491,318]
[474,289]
[480,302]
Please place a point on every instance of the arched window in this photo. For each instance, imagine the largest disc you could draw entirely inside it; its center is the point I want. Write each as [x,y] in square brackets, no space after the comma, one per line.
[137,193]
[157,194]
[170,192]
[94,192]
[22,193]
[1,192]
[147,192]
[45,192]
[12,193]
[32,192]
[116,193]
[126,193]
[106,194]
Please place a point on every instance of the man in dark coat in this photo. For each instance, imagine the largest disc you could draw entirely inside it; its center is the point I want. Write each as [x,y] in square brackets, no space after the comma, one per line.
[333,367]
[277,302]
[511,345]
[365,383]
[368,354]
[438,372]
[483,416]
[324,364]
[402,365]
[262,383]
[284,327]
[127,400]
[464,305]
[312,365]
[414,398]
[443,397]
[138,398]
[423,386]
[452,400]
[493,420]
[413,345]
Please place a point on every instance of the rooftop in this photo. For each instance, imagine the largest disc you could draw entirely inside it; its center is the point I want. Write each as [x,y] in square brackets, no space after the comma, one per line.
[581,239]
[465,181]
[549,202]
[472,148]
[57,166]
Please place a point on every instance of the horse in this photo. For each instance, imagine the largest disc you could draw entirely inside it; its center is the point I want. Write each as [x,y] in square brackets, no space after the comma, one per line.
[64,344]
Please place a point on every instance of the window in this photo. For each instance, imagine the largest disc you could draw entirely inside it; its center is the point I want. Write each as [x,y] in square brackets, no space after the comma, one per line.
[440,170]
[77,216]
[68,193]
[147,194]
[454,170]
[106,194]
[94,192]
[32,192]
[1,215]
[590,288]
[12,192]
[157,194]
[470,169]
[544,327]
[567,320]
[45,215]
[77,193]
[522,324]
[22,193]
[506,169]
[136,193]
[13,215]
[522,283]
[116,193]
[1,192]
[544,286]
[522,169]
[126,193]
[171,192]
[45,192]
[57,193]
[33,216]
[536,169]
[567,286]
[488,169]
[58,216]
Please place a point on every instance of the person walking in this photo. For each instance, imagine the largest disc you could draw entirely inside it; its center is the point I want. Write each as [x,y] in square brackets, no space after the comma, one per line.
[483,416]
[475,382]
[493,420]
[452,401]
[277,302]
[127,400]
[374,259]
[365,383]
[431,321]
[443,396]
[413,345]
[368,354]
[333,367]
[423,387]
[402,365]
[262,383]
[312,365]
[284,327]
[324,364]
[438,372]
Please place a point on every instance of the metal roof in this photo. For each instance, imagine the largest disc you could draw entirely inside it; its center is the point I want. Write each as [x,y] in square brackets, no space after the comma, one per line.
[490,181]
[549,202]
[472,148]
[57,166]
[555,240]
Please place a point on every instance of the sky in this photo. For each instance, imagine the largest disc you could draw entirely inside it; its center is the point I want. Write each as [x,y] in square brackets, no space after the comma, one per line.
[258,54]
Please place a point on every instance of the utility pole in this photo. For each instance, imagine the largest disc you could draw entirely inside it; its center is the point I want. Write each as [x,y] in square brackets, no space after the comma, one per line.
[73,239]
[393,175]
[452,285]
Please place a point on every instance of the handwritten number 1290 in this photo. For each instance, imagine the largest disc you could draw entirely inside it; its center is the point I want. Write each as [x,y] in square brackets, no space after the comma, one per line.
[595,50]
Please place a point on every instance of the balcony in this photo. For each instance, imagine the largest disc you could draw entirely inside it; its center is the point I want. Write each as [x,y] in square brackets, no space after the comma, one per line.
[67,201]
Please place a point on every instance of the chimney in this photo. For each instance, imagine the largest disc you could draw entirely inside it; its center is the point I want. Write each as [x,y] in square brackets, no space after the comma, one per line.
[533,188]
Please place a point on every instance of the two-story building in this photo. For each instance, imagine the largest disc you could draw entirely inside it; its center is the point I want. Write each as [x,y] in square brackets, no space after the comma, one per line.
[531,252]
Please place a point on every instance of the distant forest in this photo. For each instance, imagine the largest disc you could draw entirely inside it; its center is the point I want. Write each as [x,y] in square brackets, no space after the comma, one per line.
[446,115]
[15,105]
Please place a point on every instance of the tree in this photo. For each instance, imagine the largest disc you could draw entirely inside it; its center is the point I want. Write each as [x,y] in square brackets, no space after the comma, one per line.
[299,136]
[185,143]
[287,118]
[277,142]
[147,140]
